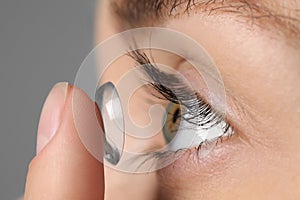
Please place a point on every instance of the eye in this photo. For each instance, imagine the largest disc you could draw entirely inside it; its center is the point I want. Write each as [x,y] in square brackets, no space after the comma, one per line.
[189,121]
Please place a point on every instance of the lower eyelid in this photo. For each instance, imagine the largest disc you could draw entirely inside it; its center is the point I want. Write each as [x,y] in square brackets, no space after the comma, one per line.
[191,157]
[189,163]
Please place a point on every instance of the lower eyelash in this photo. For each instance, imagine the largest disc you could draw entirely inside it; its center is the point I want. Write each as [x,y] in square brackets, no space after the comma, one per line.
[165,158]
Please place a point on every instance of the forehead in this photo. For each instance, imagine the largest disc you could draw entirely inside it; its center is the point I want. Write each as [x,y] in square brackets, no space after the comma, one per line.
[283,16]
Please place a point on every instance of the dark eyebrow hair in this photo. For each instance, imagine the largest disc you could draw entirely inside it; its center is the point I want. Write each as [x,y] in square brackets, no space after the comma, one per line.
[138,13]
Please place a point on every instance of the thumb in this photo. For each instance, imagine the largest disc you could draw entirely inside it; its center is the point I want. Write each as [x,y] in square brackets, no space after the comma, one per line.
[63,167]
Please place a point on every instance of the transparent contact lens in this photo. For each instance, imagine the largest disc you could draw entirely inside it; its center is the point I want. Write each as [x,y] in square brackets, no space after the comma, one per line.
[108,101]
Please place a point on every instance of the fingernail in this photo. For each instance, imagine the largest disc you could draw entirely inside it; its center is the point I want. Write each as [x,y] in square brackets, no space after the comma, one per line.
[51,115]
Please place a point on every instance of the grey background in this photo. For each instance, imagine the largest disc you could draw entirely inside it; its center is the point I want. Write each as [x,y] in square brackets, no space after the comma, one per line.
[41,42]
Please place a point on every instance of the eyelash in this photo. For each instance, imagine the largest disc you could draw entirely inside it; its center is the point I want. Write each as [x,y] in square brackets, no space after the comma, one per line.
[172,88]
[179,93]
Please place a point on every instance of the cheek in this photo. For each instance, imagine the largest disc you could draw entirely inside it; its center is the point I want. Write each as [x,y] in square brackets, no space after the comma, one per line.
[190,176]
[232,171]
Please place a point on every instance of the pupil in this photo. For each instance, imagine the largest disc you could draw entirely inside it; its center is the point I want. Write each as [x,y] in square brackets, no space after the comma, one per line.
[176,115]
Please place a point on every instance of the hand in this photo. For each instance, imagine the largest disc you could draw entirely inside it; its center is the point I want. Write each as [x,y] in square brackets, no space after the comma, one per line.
[63,168]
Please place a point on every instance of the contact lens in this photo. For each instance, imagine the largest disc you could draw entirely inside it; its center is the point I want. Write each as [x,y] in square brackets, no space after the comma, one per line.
[108,101]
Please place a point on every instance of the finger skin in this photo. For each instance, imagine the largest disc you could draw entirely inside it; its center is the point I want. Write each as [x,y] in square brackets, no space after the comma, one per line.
[64,169]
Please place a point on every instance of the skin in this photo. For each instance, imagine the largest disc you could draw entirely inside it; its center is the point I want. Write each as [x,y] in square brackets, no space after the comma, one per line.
[263,161]
[259,65]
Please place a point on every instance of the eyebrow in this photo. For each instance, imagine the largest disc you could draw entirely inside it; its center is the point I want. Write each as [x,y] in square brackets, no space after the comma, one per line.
[138,13]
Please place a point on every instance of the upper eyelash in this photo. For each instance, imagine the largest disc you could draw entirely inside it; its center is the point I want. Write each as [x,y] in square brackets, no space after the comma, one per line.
[200,112]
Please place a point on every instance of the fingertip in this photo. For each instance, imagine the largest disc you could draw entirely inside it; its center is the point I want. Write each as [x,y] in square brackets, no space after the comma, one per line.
[51,115]
[65,168]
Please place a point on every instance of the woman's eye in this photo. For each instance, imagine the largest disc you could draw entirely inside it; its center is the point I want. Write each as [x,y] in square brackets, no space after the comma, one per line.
[189,121]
